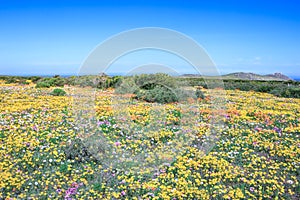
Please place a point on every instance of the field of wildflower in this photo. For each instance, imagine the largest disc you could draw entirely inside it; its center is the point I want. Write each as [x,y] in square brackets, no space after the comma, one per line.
[140,150]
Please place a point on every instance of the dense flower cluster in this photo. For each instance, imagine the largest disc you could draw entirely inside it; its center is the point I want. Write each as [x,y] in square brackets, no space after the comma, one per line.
[256,155]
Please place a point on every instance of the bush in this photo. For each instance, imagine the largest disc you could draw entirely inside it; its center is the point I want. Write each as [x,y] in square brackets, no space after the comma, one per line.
[159,94]
[160,88]
[265,87]
[295,92]
[288,92]
[199,93]
[43,85]
[107,82]
[51,82]
[127,86]
[35,79]
[77,150]
[58,92]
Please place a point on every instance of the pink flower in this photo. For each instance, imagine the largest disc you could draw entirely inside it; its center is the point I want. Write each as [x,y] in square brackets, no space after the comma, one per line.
[123,193]
[257,129]
[118,143]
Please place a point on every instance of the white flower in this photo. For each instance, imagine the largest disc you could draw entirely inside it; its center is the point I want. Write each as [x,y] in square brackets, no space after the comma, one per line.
[50,160]
[36,183]
[290,182]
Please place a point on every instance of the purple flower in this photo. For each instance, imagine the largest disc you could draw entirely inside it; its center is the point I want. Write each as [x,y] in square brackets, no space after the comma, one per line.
[278,130]
[35,128]
[71,191]
[99,123]
[151,194]
[123,193]
[227,116]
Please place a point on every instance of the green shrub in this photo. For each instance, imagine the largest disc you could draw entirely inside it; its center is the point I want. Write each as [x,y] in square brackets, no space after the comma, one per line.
[43,85]
[11,79]
[287,91]
[35,79]
[160,88]
[77,150]
[159,94]
[58,92]
[265,87]
[51,82]
[295,92]
[149,81]
[127,86]
[107,82]
[199,93]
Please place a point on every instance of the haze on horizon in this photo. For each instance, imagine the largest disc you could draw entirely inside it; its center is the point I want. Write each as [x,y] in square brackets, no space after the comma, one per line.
[54,37]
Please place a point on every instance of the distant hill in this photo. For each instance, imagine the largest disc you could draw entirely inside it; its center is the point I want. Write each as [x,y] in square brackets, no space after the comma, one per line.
[248,76]
[253,76]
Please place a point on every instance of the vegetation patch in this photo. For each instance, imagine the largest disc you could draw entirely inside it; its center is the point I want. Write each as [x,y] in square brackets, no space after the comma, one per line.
[58,92]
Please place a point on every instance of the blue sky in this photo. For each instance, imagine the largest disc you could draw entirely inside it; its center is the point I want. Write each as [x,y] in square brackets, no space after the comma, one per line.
[54,37]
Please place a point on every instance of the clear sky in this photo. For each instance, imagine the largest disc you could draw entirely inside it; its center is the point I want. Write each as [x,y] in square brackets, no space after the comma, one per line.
[54,37]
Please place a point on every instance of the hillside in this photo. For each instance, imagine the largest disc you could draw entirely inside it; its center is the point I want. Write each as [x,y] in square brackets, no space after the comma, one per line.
[253,76]
[248,76]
